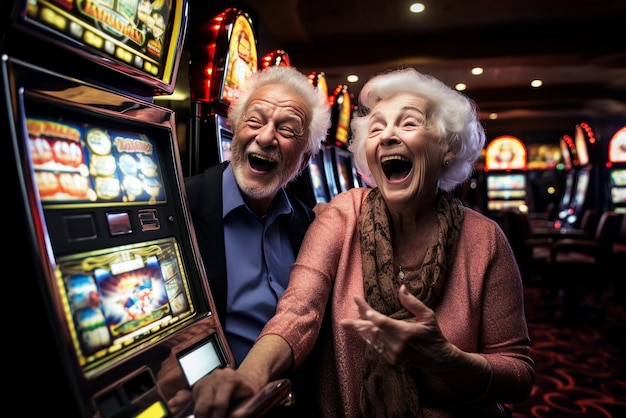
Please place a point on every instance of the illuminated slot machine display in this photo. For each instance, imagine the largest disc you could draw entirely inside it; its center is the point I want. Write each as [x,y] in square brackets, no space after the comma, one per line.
[337,157]
[276,58]
[617,170]
[505,174]
[112,277]
[586,189]
[223,55]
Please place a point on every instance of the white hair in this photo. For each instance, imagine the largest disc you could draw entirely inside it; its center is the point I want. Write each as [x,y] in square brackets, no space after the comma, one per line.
[296,82]
[453,115]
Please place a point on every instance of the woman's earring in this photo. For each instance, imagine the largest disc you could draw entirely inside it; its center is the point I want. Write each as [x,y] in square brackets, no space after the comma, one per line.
[446,163]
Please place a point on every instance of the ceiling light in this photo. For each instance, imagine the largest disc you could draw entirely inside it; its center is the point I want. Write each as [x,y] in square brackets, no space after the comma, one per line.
[493,116]
[477,70]
[536,83]
[460,86]
[352,78]
[417,8]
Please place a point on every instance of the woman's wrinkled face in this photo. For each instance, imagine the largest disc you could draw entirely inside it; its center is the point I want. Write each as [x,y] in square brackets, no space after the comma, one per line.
[403,150]
[267,149]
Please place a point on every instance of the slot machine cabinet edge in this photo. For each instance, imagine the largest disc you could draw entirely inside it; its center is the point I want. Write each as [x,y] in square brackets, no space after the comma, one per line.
[94,186]
[125,236]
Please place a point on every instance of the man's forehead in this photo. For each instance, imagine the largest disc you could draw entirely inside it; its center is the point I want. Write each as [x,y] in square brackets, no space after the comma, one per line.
[286,105]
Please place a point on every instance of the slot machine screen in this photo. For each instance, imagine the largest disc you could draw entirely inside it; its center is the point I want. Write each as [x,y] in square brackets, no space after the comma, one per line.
[139,38]
[121,297]
[544,157]
[618,186]
[200,359]
[93,163]
[567,193]
[506,182]
[506,190]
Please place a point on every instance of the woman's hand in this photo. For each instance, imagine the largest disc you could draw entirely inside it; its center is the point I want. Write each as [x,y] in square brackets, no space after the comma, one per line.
[416,342]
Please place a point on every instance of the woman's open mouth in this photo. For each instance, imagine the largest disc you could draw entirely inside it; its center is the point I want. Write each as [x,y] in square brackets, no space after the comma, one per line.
[396,167]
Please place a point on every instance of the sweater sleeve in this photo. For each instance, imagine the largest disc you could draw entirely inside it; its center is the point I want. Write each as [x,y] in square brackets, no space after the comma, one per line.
[301,308]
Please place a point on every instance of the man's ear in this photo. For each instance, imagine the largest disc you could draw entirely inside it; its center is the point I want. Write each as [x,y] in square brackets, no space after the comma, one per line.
[305,160]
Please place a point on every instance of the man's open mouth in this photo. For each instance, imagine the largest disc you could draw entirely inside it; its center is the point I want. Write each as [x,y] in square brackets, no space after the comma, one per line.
[260,163]
[396,167]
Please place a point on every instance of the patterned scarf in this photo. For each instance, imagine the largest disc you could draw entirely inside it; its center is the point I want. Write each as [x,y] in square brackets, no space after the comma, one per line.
[391,391]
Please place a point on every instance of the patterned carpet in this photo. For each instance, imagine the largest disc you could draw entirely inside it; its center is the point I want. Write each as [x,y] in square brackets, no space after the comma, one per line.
[580,359]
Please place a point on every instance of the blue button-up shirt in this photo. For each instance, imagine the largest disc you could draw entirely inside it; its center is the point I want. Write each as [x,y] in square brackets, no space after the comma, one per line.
[259,256]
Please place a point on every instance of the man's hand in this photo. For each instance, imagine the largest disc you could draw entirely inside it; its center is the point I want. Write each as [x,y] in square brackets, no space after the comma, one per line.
[216,394]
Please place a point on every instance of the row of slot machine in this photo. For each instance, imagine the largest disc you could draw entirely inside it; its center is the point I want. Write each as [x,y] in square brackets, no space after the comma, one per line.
[222,57]
[579,171]
[111,308]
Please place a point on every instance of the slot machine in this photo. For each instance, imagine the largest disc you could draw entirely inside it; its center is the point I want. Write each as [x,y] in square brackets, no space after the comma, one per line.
[338,159]
[617,170]
[586,192]
[112,283]
[505,173]
[570,165]
[223,55]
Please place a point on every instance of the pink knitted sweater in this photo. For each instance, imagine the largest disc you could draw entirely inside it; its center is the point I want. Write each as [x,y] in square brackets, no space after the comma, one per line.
[481,311]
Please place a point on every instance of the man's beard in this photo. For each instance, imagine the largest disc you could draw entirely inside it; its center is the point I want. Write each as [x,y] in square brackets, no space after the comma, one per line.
[279,179]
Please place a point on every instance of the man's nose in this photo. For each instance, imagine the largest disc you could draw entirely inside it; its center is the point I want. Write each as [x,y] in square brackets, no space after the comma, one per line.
[266,135]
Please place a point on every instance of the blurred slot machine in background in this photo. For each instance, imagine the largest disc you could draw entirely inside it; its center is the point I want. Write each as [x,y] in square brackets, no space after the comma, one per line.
[338,165]
[223,55]
[276,58]
[617,170]
[505,174]
[112,282]
[342,108]
[570,165]
[586,186]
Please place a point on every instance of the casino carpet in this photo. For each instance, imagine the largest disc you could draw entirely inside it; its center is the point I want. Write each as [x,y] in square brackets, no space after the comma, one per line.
[580,359]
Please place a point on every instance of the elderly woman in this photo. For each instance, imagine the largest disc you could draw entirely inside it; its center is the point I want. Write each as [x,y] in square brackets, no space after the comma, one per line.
[413,303]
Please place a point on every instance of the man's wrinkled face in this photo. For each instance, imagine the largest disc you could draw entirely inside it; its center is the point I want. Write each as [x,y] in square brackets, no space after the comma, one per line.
[268,146]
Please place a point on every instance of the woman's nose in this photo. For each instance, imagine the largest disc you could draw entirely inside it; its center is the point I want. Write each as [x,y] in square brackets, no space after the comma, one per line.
[389,136]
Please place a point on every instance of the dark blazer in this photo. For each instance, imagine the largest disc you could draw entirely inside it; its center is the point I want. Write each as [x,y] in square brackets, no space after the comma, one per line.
[204,194]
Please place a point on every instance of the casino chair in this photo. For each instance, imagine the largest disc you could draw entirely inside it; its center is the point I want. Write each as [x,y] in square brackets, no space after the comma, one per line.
[589,221]
[532,254]
[618,260]
[582,265]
